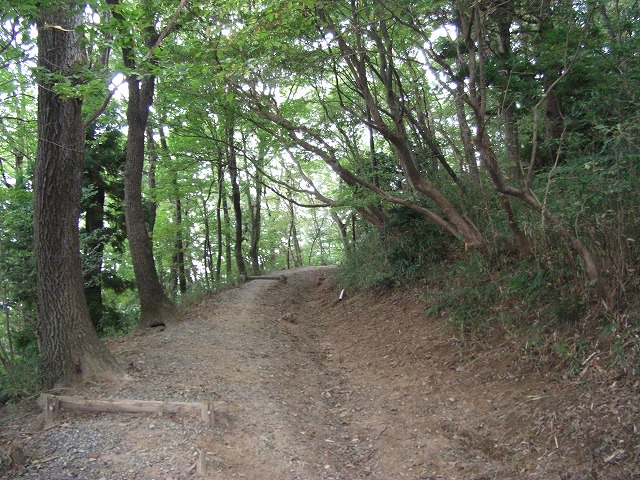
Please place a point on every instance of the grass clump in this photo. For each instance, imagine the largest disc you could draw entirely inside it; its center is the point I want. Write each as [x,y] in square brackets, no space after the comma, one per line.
[539,301]
[383,261]
[18,369]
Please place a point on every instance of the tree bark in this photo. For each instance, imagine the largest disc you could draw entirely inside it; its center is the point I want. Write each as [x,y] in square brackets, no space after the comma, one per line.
[150,203]
[70,349]
[220,174]
[94,246]
[489,159]
[465,134]
[508,106]
[342,228]
[155,307]
[207,250]
[237,206]
[256,224]
[228,264]
[554,114]
[179,277]
[389,121]
[293,238]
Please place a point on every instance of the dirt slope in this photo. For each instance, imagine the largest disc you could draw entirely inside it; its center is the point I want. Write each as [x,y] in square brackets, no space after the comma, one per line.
[309,387]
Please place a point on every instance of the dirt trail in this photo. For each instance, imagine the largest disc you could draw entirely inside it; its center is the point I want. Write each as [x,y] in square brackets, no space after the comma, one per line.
[309,387]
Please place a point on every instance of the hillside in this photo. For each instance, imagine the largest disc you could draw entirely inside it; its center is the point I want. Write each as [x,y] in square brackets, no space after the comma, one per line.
[309,386]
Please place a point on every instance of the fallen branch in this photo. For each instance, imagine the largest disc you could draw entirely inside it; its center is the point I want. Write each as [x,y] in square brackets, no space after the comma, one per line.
[54,403]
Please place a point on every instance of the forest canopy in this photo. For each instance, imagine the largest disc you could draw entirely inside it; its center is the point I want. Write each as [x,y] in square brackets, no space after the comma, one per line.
[227,139]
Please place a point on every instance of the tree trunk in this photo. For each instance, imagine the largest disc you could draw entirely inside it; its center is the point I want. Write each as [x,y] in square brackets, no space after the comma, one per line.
[180,277]
[512,142]
[507,109]
[394,130]
[490,162]
[228,264]
[465,133]
[293,238]
[554,115]
[94,247]
[237,207]
[221,194]
[150,203]
[155,307]
[342,228]
[461,21]
[207,251]
[70,349]
[317,237]
[256,225]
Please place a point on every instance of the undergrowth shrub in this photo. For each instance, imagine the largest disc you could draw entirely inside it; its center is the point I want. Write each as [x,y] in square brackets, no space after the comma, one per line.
[20,379]
[541,300]
[18,371]
[385,261]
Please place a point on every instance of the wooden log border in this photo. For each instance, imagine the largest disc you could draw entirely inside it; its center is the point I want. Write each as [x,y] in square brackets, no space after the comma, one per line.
[53,404]
[280,278]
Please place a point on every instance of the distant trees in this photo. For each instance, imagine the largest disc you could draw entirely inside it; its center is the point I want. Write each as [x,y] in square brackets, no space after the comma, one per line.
[463,112]
[103,209]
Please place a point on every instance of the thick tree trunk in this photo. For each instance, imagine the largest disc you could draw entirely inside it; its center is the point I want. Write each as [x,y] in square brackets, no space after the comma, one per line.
[70,349]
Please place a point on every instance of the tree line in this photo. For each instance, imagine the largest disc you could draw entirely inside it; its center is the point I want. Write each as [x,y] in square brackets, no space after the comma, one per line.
[259,135]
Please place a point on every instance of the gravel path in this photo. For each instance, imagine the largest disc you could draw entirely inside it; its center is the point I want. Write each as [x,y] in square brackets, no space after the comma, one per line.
[308,387]
[275,416]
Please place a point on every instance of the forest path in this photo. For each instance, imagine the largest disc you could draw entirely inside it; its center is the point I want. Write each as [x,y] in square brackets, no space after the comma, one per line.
[309,387]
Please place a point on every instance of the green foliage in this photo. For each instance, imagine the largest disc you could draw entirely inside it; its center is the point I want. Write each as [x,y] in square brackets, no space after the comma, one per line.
[365,266]
[463,291]
[20,380]
[620,332]
[384,261]
[16,258]
[121,312]
[18,346]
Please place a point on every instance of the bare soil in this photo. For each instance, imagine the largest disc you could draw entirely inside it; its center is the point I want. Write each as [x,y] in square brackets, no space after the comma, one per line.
[306,386]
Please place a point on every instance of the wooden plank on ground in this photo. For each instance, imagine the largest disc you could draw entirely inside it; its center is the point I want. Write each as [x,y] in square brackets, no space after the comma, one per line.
[280,278]
[53,404]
